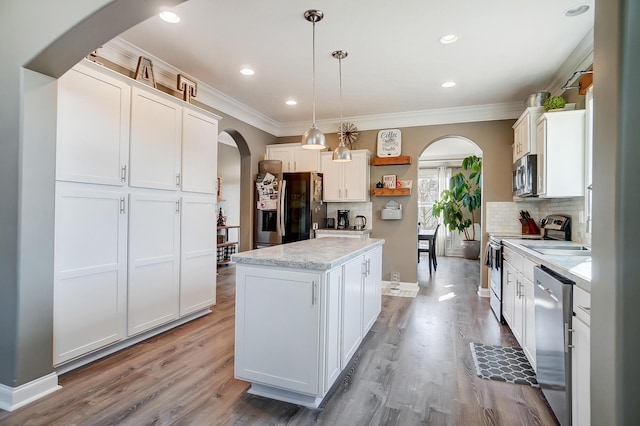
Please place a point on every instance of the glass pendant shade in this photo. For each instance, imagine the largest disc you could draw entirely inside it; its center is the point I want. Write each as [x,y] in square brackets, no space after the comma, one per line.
[314,138]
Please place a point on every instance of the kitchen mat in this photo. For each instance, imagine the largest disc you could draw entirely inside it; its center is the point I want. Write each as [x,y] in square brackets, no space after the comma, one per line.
[406,290]
[503,363]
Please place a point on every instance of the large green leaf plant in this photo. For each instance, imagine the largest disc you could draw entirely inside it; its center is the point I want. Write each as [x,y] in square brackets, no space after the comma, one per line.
[464,193]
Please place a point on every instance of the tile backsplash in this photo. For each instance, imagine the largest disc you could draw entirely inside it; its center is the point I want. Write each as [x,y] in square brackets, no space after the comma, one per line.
[503,216]
[355,209]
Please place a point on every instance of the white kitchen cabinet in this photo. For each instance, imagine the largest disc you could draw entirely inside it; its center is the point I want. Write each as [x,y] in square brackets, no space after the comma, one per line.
[198,242]
[156,127]
[560,138]
[333,328]
[297,329]
[278,328]
[518,301]
[581,358]
[372,289]
[90,270]
[524,133]
[294,158]
[352,308]
[154,260]
[199,152]
[92,144]
[346,182]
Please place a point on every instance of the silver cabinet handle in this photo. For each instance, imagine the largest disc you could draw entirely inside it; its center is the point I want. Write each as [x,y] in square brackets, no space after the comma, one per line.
[123,173]
[178,180]
[295,166]
[585,309]
[314,289]
[122,205]
[177,206]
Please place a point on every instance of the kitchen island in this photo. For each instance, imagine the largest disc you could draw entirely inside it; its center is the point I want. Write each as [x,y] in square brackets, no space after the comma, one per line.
[302,310]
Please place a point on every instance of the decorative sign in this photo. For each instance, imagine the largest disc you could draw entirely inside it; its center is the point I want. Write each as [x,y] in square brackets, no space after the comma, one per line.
[389,143]
[389,181]
[144,72]
[188,88]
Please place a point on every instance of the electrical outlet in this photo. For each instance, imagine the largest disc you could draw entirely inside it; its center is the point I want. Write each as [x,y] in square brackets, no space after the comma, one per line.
[315,225]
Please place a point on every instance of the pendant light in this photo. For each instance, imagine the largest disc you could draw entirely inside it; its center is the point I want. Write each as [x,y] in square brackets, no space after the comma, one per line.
[341,153]
[314,138]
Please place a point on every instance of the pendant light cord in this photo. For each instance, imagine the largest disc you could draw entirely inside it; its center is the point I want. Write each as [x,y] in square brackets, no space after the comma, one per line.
[341,122]
[313,79]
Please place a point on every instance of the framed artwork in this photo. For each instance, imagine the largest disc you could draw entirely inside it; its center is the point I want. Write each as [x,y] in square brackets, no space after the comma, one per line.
[389,181]
[389,143]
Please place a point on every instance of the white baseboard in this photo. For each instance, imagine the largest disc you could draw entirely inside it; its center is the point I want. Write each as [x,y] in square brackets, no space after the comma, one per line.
[13,398]
[403,286]
[483,292]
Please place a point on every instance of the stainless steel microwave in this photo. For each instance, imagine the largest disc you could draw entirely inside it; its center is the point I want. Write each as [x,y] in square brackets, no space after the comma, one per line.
[525,176]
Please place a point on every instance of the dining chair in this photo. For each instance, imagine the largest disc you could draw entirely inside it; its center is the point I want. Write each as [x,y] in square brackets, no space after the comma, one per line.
[427,244]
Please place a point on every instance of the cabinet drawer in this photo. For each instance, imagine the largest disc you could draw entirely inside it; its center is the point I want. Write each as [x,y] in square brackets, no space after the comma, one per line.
[513,258]
[582,305]
[527,269]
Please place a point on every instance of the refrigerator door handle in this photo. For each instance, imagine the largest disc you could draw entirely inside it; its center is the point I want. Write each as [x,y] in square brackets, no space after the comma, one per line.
[282,212]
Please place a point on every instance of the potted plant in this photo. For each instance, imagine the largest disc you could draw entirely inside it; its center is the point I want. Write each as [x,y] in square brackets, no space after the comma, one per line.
[554,103]
[463,196]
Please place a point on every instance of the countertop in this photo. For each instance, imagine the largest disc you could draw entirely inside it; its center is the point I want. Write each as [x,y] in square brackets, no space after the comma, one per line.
[576,268]
[318,253]
[333,231]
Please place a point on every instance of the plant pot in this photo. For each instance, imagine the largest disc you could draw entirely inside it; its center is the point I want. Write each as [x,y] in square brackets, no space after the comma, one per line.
[470,249]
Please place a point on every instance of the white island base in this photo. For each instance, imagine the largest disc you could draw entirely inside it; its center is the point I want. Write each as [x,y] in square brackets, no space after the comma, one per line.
[302,310]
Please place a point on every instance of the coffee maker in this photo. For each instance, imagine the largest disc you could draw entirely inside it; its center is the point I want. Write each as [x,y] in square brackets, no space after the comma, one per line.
[343,219]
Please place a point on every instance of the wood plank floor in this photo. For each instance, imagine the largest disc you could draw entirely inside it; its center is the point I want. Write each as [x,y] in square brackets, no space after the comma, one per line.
[414,367]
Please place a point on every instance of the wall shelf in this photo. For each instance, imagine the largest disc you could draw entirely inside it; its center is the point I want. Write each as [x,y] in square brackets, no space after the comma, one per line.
[402,160]
[390,192]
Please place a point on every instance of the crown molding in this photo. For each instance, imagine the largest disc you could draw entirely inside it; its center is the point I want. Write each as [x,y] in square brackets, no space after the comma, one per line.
[467,114]
[580,59]
[125,54]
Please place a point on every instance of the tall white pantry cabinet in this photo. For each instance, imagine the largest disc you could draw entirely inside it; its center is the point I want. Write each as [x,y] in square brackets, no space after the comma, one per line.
[135,218]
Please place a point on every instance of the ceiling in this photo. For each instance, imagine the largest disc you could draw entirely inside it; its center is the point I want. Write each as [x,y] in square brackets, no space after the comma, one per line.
[506,50]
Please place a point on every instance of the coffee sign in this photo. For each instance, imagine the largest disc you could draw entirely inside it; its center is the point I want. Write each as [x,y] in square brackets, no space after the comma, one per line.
[389,143]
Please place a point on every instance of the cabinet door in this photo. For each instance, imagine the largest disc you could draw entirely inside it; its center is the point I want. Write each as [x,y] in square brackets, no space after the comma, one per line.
[333,322]
[93,128]
[356,177]
[518,311]
[278,328]
[517,141]
[529,331]
[284,154]
[581,373]
[332,178]
[508,293]
[90,277]
[154,260]
[372,298]
[199,152]
[197,254]
[541,138]
[306,160]
[155,141]
[352,308]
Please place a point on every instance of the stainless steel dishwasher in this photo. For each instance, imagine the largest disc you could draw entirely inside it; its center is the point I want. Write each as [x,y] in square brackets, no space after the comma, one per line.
[553,305]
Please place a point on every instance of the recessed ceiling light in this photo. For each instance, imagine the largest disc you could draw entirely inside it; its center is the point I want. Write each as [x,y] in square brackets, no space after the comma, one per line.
[291,102]
[448,84]
[448,39]
[170,17]
[247,71]
[576,10]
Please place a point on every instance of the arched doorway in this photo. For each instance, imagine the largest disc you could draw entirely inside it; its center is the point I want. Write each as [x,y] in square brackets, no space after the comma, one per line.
[441,159]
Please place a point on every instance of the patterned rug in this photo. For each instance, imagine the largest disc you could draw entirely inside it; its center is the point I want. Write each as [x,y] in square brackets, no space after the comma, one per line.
[406,290]
[502,363]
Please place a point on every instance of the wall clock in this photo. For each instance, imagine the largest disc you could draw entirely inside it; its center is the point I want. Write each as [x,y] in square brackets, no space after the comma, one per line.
[389,143]
[349,133]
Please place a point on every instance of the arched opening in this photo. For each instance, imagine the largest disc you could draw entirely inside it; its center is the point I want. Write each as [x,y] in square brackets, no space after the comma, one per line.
[234,167]
[441,159]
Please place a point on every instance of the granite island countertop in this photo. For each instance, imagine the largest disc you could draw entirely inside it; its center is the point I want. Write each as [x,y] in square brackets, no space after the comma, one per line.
[576,268]
[317,254]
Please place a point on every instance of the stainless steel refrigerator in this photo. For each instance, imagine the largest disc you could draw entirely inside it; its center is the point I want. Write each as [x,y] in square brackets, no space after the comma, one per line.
[289,206]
